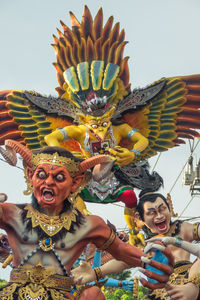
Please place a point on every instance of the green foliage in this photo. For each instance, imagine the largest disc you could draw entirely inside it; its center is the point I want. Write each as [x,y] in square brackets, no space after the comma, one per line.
[127,297]
[121,294]
[2,282]
[142,292]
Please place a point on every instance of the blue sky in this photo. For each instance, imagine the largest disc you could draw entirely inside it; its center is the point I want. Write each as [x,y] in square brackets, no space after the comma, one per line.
[163,40]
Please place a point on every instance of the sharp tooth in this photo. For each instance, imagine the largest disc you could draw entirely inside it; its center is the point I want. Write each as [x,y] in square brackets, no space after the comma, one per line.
[48,191]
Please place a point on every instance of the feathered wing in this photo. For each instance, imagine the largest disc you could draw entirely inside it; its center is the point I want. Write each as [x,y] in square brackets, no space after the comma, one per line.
[28,116]
[166,113]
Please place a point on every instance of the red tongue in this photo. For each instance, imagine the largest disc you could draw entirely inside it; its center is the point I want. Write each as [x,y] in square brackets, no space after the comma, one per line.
[161,225]
[48,195]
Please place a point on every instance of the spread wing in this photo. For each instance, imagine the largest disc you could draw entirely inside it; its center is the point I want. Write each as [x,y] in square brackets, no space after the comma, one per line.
[28,116]
[166,113]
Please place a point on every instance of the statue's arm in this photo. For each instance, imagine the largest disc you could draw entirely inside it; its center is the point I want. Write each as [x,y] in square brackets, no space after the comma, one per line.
[129,256]
[64,134]
[140,141]
[105,239]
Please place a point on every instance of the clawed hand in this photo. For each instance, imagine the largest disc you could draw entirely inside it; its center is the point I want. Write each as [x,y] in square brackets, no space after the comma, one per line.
[83,274]
[184,292]
[123,155]
[167,269]
[166,240]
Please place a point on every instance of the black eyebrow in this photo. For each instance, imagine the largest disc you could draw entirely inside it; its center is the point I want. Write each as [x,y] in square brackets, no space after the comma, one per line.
[153,208]
[160,205]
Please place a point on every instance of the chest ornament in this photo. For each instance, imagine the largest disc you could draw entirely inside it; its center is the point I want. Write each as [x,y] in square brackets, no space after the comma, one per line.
[46,244]
[51,225]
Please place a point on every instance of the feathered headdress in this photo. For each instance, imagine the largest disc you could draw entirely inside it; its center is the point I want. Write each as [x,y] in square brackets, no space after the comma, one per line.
[91,70]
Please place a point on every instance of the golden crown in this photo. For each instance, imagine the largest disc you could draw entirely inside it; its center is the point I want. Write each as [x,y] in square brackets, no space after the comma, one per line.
[57,160]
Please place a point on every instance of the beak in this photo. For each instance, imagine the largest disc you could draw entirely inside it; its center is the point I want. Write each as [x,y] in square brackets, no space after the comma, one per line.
[101,133]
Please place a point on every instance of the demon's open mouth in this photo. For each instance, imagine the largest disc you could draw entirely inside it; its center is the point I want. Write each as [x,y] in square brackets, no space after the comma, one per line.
[48,194]
[161,226]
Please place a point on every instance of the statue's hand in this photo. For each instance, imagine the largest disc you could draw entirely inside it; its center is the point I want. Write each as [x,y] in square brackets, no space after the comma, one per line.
[3,197]
[123,155]
[127,285]
[184,292]
[158,272]
[166,240]
[83,274]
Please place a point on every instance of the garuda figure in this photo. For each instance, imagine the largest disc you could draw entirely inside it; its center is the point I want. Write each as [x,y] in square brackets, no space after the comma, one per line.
[48,235]
[96,112]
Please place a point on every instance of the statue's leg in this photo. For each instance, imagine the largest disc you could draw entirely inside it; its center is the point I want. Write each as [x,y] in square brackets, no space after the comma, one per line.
[93,293]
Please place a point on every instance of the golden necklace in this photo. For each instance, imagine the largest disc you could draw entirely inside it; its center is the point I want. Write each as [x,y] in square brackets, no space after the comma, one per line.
[51,225]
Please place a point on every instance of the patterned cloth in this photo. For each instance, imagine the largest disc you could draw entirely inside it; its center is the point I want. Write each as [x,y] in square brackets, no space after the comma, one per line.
[36,283]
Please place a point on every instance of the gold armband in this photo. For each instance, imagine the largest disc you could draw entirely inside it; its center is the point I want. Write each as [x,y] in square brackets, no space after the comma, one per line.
[98,273]
[195,279]
[195,231]
[109,241]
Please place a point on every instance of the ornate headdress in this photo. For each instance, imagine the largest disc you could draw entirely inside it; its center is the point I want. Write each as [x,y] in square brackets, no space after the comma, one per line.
[91,70]
[55,159]
[32,161]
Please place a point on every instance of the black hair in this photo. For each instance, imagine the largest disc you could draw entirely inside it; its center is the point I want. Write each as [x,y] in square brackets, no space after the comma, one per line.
[149,197]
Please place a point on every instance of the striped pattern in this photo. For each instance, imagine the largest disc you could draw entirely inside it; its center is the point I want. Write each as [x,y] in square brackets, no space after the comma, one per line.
[89,41]
[22,121]
[172,116]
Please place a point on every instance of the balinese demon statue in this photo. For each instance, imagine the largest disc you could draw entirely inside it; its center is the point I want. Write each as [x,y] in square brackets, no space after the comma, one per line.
[49,234]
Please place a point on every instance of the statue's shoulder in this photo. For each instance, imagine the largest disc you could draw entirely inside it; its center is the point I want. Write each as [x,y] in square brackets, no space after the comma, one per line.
[21,206]
[186,231]
[12,206]
[95,221]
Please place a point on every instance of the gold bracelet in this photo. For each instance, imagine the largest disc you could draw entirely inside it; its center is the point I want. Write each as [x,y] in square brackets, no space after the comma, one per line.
[195,279]
[98,273]
[109,241]
[195,231]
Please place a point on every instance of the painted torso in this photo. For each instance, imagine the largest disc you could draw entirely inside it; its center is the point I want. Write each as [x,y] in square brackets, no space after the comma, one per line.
[178,253]
[23,243]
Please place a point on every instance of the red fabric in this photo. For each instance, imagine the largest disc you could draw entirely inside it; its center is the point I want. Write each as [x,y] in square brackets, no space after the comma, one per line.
[129,198]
